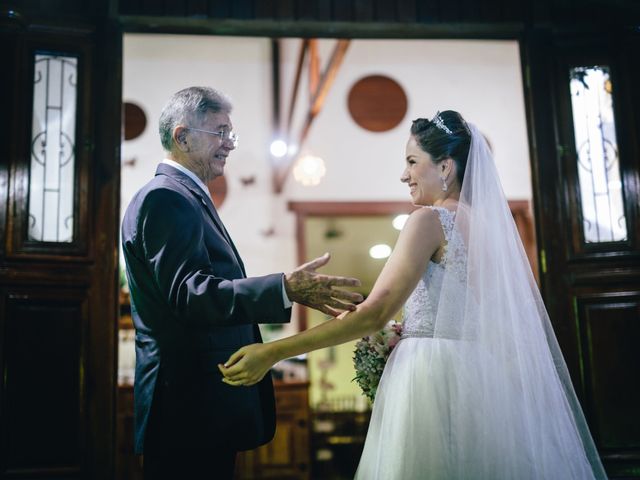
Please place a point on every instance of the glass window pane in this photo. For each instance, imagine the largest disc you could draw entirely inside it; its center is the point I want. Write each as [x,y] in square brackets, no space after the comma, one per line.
[597,148]
[51,177]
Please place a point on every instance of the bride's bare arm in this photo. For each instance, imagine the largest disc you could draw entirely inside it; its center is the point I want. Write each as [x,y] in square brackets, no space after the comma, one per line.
[420,238]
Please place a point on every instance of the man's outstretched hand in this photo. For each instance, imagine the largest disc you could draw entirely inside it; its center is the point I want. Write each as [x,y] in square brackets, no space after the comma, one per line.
[307,287]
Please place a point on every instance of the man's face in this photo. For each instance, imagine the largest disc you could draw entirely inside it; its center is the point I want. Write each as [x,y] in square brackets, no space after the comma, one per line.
[208,153]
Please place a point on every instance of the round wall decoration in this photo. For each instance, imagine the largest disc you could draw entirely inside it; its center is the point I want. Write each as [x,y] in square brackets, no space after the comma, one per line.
[135,121]
[218,189]
[377,103]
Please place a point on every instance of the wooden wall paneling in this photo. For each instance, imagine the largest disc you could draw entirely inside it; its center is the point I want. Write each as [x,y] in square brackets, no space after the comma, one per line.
[128,464]
[177,8]
[537,55]
[490,11]
[106,233]
[130,7]
[287,456]
[609,329]
[541,11]
[67,8]
[323,12]
[513,10]
[627,102]
[385,11]
[427,11]
[406,10]
[8,84]
[3,430]
[197,8]
[309,10]
[532,12]
[343,10]
[450,11]
[150,7]
[469,10]
[286,10]
[44,397]
[265,9]
[362,10]
[242,8]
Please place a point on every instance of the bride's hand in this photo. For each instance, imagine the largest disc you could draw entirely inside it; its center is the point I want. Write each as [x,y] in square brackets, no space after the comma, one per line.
[248,365]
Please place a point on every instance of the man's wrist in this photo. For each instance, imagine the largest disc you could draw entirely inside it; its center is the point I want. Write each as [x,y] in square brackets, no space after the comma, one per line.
[286,297]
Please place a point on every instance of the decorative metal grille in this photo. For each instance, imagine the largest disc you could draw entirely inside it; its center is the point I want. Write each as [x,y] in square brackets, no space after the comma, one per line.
[51,178]
[598,161]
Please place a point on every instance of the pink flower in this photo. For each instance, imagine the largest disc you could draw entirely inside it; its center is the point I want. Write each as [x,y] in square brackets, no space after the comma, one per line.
[371,354]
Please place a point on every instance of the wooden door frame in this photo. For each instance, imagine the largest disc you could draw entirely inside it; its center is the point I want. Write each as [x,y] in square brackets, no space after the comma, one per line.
[305,210]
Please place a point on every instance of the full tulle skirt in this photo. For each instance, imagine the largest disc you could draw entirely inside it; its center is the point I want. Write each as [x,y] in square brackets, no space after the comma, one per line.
[424,426]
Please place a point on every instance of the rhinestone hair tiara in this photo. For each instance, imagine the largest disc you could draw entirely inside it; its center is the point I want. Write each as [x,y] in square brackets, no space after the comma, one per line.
[438,122]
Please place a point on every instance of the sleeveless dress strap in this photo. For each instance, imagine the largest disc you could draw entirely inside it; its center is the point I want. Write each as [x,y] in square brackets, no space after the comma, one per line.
[447,220]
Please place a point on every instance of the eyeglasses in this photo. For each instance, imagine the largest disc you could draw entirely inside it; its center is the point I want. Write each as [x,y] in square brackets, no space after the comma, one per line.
[223,134]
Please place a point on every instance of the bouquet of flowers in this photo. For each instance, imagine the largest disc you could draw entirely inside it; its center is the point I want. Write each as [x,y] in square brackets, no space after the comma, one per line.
[371,354]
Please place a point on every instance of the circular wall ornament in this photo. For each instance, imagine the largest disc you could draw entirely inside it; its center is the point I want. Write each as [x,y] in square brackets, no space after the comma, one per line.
[218,190]
[377,103]
[135,121]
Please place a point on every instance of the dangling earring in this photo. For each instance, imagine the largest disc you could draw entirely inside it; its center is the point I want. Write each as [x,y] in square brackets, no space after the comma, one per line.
[444,184]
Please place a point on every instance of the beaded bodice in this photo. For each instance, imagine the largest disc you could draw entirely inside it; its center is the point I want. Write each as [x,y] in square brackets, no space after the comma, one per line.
[421,307]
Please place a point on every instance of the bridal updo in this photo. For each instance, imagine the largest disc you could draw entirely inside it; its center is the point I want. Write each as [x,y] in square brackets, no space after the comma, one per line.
[445,136]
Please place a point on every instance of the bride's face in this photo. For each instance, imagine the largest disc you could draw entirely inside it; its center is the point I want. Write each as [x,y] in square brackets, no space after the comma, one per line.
[421,175]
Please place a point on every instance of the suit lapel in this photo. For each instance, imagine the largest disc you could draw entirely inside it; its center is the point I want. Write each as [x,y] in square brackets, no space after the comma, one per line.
[211,209]
[206,202]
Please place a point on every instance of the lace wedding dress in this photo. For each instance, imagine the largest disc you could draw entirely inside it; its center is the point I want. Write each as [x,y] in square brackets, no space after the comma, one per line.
[409,434]
[438,413]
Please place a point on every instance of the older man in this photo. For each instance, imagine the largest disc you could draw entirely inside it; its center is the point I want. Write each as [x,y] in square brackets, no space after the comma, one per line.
[192,304]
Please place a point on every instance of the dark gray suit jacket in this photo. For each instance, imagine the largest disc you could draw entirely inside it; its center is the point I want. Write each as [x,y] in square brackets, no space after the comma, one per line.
[192,306]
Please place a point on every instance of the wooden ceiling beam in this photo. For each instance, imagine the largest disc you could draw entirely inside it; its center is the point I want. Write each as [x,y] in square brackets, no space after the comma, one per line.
[296,84]
[318,98]
[314,67]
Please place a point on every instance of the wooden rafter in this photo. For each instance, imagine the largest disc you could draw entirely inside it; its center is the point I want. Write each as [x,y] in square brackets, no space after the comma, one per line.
[318,97]
[275,82]
[314,67]
[296,84]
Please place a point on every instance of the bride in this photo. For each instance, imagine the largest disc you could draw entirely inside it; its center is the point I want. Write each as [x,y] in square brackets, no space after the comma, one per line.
[477,387]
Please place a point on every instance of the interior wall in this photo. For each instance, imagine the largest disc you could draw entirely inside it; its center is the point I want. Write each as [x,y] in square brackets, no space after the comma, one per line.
[480,79]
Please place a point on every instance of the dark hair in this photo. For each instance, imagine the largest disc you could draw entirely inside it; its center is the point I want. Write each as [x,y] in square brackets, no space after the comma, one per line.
[449,139]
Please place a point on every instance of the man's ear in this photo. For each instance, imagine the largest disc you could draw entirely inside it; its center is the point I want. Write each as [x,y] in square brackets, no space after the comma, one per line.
[179,136]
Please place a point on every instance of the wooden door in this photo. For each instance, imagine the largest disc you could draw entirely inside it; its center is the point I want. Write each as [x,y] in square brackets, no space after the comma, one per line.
[583,105]
[59,174]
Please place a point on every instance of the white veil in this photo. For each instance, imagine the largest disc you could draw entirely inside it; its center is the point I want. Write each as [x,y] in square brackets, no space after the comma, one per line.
[514,411]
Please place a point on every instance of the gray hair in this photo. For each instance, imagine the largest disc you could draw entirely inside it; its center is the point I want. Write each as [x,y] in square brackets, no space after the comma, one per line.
[192,103]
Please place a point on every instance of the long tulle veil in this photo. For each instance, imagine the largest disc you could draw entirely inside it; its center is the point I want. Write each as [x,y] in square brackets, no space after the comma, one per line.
[515,414]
